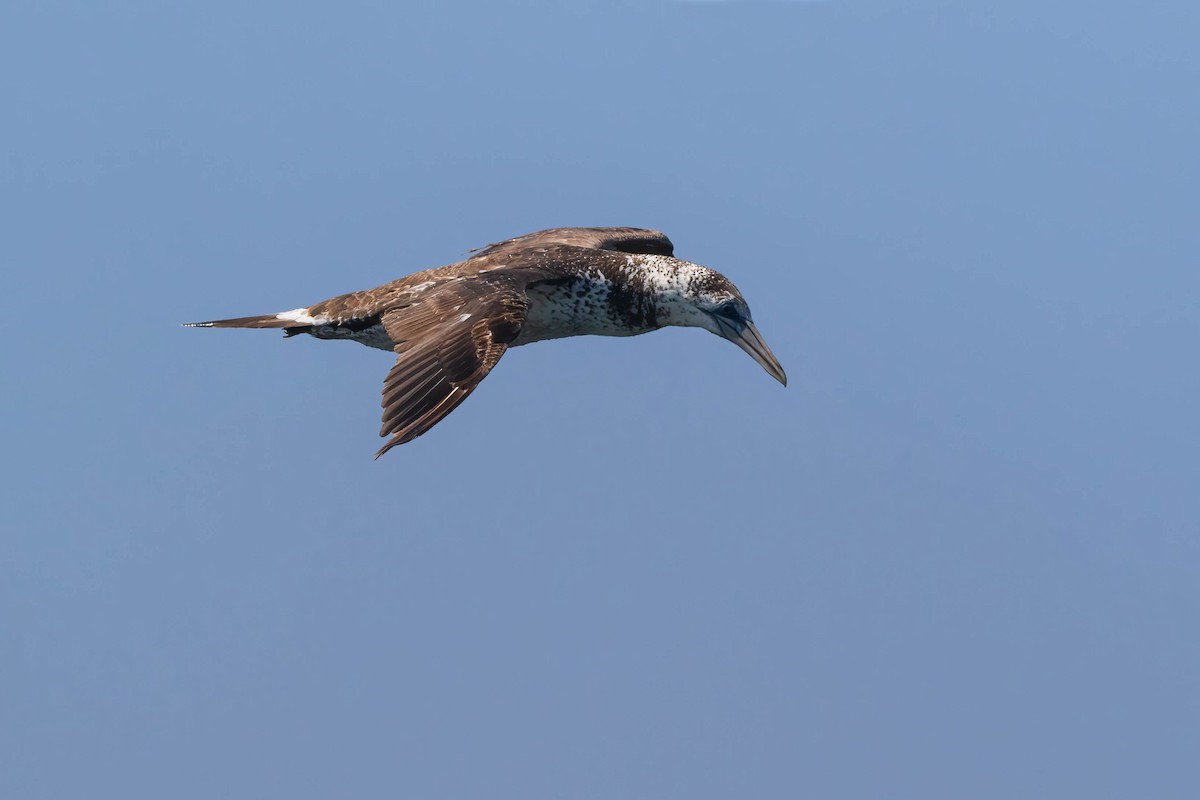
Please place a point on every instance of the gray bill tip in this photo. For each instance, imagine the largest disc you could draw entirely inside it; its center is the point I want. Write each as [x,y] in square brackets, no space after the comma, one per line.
[750,340]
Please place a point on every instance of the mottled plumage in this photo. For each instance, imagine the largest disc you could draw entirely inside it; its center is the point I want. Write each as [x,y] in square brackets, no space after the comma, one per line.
[449,326]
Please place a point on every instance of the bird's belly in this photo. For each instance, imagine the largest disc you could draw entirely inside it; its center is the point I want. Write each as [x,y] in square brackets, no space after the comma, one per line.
[374,336]
[540,333]
[571,310]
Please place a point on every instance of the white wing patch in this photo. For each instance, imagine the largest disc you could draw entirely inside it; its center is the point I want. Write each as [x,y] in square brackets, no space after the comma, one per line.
[299,315]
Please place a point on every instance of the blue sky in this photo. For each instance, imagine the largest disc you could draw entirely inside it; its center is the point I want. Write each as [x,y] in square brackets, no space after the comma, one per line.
[956,557]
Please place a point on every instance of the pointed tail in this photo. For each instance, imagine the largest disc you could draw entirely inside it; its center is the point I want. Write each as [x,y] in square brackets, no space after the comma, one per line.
[298,318]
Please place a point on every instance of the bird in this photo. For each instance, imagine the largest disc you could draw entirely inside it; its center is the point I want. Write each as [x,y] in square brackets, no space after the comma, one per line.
[449,326]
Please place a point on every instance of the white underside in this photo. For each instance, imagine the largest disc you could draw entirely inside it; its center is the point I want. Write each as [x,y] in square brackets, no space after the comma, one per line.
[574,309]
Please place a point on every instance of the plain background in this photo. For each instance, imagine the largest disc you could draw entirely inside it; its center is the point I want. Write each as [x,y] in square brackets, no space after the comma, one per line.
[956,557]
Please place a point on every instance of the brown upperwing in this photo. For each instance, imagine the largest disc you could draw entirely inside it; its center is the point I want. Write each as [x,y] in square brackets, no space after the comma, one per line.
[625,240]
[399,293]
[448,341]
[516,253]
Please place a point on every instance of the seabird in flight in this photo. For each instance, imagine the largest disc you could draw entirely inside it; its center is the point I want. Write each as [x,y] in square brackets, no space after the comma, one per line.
[449,326]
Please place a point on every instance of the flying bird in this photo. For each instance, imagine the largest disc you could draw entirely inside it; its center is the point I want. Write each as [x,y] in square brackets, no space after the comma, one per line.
[449,326]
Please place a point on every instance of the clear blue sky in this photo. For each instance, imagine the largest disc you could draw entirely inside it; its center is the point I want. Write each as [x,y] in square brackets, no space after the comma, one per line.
[957,557]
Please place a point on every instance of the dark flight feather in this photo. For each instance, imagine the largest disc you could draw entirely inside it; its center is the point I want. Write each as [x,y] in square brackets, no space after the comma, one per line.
[447,342]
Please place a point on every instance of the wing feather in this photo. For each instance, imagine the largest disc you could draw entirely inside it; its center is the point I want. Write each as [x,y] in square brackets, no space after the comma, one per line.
[447,342]
[625,240]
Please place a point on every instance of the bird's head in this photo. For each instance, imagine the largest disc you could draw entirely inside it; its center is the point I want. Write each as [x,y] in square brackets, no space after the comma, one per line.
[707,299]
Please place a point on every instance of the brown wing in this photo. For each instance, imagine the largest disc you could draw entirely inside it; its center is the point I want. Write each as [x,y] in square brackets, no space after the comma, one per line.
[448,341]
[517,253]
[625,240]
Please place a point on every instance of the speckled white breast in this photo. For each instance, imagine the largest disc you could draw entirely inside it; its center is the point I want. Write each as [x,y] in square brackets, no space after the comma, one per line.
[577,308]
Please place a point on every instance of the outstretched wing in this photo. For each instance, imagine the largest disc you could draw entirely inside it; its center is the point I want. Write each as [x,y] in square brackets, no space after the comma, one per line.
[448,341]
[625,240]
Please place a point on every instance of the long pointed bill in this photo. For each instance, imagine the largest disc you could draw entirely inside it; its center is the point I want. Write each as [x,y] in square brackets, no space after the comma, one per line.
[750,340]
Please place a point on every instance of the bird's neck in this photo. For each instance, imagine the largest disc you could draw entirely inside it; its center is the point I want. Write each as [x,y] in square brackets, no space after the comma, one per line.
[664,289]
[643,289]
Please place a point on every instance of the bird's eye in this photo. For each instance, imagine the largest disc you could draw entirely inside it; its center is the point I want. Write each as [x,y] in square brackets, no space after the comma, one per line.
[728,310]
